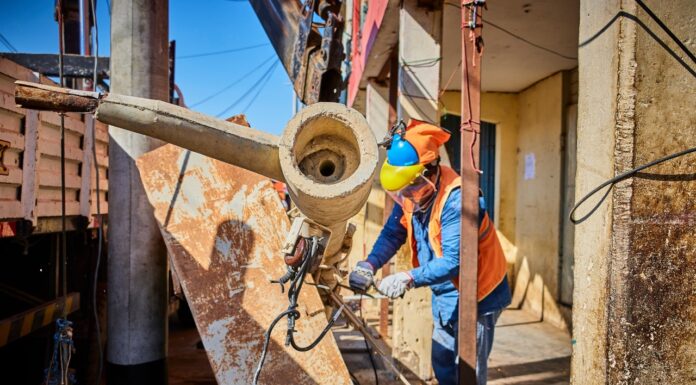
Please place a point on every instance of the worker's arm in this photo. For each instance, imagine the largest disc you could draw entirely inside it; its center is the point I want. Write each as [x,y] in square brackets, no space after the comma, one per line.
[391,238]
[442,269]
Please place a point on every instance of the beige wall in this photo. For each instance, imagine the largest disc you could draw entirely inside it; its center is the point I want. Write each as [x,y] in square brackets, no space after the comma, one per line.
[528,210]
[539,193]
[634,288]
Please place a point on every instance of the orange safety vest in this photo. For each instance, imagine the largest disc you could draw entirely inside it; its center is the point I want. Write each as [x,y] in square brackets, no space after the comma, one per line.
[492,266]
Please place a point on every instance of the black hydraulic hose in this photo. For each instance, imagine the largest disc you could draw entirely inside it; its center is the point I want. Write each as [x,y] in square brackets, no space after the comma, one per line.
[311,346]
[293,314]
[266,341]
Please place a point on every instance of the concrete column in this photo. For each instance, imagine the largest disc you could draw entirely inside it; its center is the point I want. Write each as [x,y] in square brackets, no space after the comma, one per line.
[419,87]
[137,266]
[634,307]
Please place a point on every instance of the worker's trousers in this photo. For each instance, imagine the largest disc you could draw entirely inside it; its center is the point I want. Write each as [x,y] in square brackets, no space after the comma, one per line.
[444,352]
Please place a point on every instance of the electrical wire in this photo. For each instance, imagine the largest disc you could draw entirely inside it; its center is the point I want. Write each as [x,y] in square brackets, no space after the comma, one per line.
[668,31]
[7,43]
[297,279]
[611,182]
[100,228]
[248,91]
[518,37]
[235,82]
[266,341]
[421,63]
[354,379]
[239,49]
[260,88]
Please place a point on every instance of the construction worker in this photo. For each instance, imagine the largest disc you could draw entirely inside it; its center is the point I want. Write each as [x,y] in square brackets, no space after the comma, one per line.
[427,216]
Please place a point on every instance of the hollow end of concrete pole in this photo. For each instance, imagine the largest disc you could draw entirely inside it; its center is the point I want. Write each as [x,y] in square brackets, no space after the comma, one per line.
[328,155]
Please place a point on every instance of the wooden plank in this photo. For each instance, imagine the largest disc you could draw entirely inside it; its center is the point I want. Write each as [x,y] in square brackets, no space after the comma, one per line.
[72,123]
[10,121]
[7,84]
[14,138]
[12,177]
[224,228]
[51,178]
[52,148]
[15,71]
[51,208]
[7,102]
[31,159]
[12,144]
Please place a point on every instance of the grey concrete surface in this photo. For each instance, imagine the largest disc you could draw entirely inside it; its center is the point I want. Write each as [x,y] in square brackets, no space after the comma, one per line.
[528,351]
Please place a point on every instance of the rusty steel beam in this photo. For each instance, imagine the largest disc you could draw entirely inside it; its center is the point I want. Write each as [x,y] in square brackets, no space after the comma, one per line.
[224,228]
[468,259]
[76,66]
[379,347]
[311,59]
[37,96]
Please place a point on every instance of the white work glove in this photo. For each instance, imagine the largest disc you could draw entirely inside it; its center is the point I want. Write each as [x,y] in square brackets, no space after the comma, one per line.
[395,285]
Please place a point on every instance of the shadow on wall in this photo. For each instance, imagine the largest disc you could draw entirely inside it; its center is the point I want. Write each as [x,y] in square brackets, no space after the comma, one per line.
[531,294]
[529,291]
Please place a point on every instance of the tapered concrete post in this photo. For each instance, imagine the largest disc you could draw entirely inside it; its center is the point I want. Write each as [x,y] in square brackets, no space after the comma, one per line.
[419,82]
[634,305]
[137,267]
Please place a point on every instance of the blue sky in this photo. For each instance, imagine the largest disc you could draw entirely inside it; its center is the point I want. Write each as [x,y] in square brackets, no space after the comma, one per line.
[198,27]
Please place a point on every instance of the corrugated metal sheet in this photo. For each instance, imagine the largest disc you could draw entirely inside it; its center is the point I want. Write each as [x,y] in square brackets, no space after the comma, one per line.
[224,228]
[31,188]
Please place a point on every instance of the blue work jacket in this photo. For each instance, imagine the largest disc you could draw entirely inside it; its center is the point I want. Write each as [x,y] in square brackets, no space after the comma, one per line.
[436,272]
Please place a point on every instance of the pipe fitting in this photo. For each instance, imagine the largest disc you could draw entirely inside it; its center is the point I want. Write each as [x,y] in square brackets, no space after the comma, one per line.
[328,156]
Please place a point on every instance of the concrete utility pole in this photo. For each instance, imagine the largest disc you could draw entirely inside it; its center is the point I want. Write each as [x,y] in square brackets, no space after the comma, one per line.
[137,267]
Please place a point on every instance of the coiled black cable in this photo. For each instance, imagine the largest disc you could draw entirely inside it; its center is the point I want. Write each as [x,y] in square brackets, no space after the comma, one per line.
[611,182]
[292,313]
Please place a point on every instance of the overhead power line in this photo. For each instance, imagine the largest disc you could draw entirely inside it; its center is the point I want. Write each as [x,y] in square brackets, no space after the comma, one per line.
[518,37]
[253,87]
[7,43]
[234,83]
[260,88]
[239,49]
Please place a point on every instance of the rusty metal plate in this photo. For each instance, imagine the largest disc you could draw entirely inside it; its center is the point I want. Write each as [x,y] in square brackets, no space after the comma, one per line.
[224,227]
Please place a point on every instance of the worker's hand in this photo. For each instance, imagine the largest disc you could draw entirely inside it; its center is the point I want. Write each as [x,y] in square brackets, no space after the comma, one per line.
[361,277]
[395,285]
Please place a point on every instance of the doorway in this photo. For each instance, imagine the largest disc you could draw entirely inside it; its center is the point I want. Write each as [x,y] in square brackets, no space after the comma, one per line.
[486,155]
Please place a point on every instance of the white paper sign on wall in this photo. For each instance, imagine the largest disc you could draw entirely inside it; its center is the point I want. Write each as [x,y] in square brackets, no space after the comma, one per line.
[529,165]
